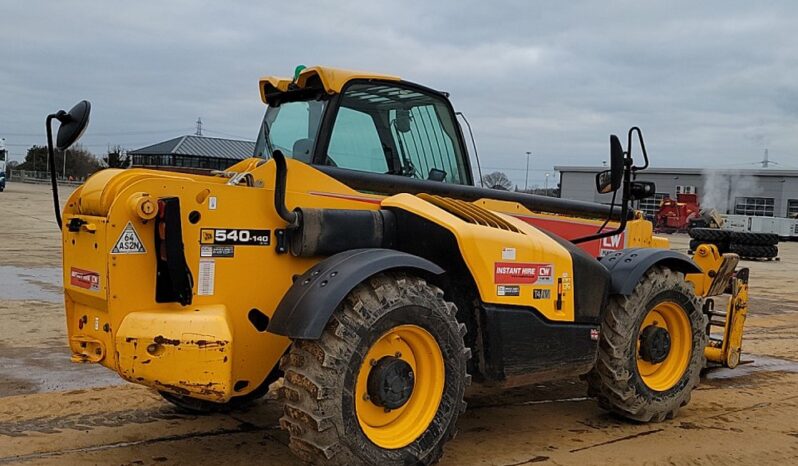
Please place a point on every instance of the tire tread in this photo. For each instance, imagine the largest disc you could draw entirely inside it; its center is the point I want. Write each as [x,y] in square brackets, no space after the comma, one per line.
[611,380]
[312,366]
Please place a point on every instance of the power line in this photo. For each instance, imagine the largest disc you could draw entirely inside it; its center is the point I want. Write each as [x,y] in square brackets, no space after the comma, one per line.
[90,133]
[542,170]
[226,134]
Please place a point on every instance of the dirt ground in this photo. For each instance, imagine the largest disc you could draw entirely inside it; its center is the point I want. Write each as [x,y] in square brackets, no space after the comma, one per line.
[56,412]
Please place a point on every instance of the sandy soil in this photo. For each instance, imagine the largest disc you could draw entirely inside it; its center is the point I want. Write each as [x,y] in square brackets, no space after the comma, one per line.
[55,412]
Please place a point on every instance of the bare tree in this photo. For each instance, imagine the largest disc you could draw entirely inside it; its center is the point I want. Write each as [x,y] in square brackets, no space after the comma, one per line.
[497,180]
[117,157]
[80,162]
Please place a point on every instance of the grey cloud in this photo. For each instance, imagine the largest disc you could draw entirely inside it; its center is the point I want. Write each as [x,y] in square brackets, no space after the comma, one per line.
[710,83]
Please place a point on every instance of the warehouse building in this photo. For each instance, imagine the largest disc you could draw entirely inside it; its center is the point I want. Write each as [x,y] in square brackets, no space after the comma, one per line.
[762,192]
[193,154]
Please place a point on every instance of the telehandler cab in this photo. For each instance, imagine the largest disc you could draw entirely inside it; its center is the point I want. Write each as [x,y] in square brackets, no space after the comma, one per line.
[354,257]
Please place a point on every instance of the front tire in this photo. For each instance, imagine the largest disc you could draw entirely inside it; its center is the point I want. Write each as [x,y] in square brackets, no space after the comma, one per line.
[651,350]
[385,382]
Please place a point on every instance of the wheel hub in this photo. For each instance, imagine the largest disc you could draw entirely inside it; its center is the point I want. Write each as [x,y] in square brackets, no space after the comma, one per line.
[390,382]
[655,344]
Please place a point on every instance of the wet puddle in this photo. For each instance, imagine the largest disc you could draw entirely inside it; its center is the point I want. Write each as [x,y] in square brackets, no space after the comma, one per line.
[36,369]
[33,370]
[40,283]
[752,364]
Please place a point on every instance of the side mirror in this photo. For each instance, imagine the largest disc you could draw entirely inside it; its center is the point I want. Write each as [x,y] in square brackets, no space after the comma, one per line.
[73,124]
[402,120]
[609,181]
[604,182]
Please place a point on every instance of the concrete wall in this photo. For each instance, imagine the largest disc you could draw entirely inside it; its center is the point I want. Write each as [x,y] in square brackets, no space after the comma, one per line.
[718,190]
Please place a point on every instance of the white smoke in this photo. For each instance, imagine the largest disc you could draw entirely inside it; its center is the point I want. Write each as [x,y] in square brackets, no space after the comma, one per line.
[721,188]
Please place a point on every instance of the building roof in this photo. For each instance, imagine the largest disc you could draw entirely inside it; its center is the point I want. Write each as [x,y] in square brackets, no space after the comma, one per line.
[688,171]
[201,146]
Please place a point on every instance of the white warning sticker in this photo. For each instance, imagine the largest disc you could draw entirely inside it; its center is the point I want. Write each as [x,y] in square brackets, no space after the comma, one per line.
[128,242]
[207,276]
[508,254]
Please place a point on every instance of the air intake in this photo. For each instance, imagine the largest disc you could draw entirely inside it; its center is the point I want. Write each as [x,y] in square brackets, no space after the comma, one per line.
[469,212]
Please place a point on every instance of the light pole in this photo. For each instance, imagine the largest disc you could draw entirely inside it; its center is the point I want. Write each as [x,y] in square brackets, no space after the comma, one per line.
[546,188]
[65,154]
[526,180]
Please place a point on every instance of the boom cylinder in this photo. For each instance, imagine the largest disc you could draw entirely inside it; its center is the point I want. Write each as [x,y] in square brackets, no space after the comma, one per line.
[397,184]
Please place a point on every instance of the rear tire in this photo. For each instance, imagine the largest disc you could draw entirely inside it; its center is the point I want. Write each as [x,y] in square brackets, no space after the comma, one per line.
[617,379]
[324,390]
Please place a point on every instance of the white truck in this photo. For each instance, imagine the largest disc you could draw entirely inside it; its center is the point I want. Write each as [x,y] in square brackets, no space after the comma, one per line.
[785,228]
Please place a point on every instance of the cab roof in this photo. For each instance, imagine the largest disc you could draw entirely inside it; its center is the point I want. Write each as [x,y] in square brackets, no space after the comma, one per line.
[332,80]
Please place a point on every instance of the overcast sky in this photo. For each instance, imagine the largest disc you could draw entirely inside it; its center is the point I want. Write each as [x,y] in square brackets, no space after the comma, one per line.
[711,84]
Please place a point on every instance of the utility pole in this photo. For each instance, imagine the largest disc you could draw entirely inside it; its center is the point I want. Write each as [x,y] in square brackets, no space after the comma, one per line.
[199,126]
[526,180]
[766,162]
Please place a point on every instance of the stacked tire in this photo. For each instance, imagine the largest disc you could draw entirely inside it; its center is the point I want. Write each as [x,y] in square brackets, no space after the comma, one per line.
[720,238]
[745,244]
[754,245]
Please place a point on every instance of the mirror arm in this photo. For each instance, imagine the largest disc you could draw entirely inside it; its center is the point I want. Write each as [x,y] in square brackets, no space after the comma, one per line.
[636,129]
[627,181]
[51,164]
[604,234]
[626,197]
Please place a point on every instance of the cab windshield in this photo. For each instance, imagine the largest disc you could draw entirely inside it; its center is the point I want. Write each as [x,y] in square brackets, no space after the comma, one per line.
[292,128]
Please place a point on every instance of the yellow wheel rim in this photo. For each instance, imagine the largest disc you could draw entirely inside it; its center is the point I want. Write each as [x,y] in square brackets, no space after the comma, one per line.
[400,427]
[664,375]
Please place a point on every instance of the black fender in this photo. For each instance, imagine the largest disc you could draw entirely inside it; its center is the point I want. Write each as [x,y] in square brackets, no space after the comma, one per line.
[310,302]
[627,267]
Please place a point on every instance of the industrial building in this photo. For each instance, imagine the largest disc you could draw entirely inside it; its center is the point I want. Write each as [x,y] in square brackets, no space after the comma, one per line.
[193,153]
[761,192]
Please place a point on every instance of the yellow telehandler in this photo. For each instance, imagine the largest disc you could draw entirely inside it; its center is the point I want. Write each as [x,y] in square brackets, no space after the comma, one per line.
[354,257]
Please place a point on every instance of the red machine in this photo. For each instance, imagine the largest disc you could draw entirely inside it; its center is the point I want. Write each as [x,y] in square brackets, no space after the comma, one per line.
[675,215]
